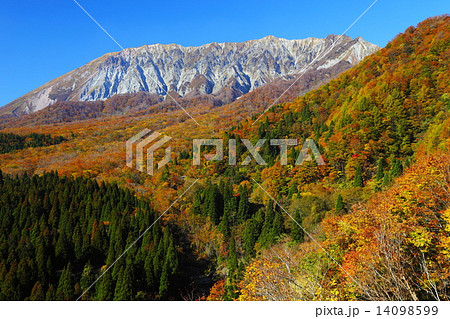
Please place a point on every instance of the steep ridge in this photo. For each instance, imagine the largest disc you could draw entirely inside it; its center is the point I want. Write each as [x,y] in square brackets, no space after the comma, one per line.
[225,70]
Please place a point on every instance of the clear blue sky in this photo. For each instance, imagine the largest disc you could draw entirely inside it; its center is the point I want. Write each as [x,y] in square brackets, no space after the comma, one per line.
[44,39]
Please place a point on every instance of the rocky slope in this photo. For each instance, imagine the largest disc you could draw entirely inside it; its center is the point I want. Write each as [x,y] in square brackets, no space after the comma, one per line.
[224,70]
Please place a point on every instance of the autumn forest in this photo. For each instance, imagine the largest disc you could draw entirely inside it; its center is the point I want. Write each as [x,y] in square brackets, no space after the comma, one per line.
[373,223]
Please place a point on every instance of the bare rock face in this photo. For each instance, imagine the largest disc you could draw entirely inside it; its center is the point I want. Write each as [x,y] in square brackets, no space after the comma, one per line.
[209,69]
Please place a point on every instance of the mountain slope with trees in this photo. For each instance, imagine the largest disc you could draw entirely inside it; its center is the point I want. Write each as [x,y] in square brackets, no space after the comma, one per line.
[378,207]
[382,128]
[11,142]
[58,234]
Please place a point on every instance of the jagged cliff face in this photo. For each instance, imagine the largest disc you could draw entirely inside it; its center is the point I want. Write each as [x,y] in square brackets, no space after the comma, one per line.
[209,69]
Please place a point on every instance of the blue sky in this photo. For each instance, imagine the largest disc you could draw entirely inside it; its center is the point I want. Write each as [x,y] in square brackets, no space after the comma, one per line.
[42,40]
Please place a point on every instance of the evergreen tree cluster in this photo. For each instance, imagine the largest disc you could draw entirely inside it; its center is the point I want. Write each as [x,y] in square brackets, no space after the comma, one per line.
[266,226]
[10,142]
[241,222]
[58,234]
[235,216]
[222,206]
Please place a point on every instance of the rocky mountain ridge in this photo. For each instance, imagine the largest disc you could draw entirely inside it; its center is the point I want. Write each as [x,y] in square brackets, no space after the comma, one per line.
[225,70]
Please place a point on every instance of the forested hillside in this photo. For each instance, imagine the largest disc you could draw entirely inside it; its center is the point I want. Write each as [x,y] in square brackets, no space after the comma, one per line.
[378,121]
[58,234]
[370,224]
[376,114]
[10,142]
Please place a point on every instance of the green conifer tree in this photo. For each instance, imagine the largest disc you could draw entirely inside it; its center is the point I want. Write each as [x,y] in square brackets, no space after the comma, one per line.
[105,289]
[339,207]
[249,238]
[266,233]
[37,293]
[50,295]
[297,233]
[124,287]
[243,207]
[358,180]
[397,168]
[65,286]
[277,226]
[232,261]
[380,169]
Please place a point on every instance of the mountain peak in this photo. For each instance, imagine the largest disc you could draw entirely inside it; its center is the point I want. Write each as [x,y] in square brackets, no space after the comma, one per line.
[270,38]
[206,69]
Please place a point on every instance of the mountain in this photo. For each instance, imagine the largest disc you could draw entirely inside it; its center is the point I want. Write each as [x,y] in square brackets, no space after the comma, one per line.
[224,70]
[373,223]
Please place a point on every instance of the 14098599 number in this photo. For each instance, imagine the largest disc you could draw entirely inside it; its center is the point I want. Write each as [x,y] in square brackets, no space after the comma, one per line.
[407,310]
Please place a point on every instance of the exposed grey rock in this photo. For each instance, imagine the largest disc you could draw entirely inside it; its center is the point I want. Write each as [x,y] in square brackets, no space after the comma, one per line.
[207,69]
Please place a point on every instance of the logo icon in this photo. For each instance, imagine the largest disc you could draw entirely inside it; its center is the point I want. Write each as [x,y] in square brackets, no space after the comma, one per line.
[141,142]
